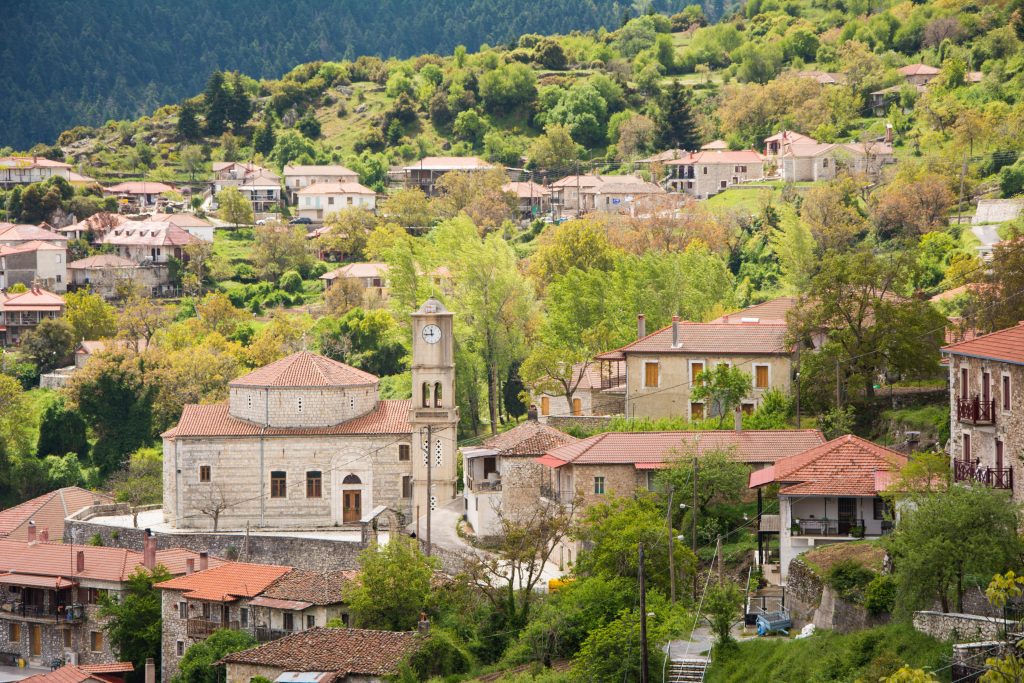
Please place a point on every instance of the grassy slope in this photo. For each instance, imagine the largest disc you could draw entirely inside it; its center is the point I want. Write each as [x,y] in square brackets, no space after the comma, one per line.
[826,656]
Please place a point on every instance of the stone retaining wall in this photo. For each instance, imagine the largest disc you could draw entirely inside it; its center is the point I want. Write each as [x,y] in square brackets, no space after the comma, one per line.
[563,422]
[960,628]
[811,601]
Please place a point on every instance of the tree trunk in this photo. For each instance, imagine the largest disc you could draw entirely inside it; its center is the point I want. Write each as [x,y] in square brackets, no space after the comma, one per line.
[492,396]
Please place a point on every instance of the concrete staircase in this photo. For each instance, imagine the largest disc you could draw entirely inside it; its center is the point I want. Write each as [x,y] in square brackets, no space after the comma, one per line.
[687,670]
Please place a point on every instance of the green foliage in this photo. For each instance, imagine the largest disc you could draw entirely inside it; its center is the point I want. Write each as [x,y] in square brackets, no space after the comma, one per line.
[367,339]
[50,344]
[393,587]
[234,207]
[722,388]
[62,431]
[837,422]
[441,655]
[508,87]
[134,620]
[308,125]
[290,281]
[90,316]
[850,578]
[880,594]
[722,607]
[198,664]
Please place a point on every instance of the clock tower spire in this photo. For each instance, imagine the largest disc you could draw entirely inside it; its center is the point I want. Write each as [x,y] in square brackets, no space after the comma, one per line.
[433,406]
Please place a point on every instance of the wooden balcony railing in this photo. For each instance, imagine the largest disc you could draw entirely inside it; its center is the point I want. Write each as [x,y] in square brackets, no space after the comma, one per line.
[202,628]
[973,470]
[976,411]
[265,634]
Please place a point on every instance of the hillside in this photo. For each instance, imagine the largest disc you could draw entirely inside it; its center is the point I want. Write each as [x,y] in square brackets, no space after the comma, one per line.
[89,62]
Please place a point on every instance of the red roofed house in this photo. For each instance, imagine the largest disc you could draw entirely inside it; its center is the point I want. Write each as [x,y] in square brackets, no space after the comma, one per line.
[319,200]
[139,194]
[85,673]
[261,186]
[48,511]
[35,169]
[151,245]
[425,173]
[705,173]
[307,442]
[986,402]
[501,477]
[817,161]
[532,199]
[829,494]
[608,193]
[326,655]
[598,389]
[17,234]
[49,594]
[38,263]
[918,74]
[371,277]
[620,463]
[774,145]
[661,367]
[22,312]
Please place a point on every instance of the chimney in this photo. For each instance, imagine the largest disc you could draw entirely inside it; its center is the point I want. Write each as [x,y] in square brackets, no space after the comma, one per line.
[531,413]
[675,332]
[888,133]
[80,561]
[44,535]
[150,670]
[423,625]
[737,419]
[204,560]
[149,552]
[725,318]
[641,326]
[31,531]
[190,565]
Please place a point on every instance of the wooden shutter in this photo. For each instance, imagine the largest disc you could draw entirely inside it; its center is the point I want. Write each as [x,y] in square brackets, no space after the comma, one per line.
[650,374]
[762,376]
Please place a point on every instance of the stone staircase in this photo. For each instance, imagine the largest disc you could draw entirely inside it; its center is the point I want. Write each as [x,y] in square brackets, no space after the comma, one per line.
[687,670]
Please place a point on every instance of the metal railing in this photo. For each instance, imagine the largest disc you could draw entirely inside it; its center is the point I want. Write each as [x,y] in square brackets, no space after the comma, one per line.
[828,527]
[557,495]
[58,614]
[975,410]
[993,477]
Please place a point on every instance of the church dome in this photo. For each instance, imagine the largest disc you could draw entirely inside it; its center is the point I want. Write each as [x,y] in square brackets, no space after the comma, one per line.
[305,369]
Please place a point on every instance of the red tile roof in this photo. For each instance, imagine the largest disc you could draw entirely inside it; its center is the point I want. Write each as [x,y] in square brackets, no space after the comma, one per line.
[448,164]
[789,136]
[32,300]
[389,417]
[719,156]
[918,70]
[357,270]
[526,190]
[116,667]
[149,234]
[82,673]
[1006,346]
[846,466]
[31,162]
[139,187]
[316,588]
[529,438]
[771,311]
[64,502]
[21,232]
[639,448]
[101,261]
[335,188]
[305,369]
[717,338]
[346,651]
[228,582]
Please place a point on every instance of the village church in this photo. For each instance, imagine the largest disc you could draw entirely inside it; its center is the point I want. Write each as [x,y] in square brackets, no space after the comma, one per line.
[306,442]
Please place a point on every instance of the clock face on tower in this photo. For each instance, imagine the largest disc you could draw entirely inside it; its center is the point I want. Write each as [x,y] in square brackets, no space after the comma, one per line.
[431,334]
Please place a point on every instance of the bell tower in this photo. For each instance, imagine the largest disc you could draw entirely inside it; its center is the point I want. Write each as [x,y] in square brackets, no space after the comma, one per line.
[433,411]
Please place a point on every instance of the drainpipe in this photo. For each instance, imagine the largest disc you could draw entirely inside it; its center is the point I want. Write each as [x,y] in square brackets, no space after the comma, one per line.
[262,489]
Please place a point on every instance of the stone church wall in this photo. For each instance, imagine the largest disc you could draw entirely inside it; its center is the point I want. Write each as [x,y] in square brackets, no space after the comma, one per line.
[302,407]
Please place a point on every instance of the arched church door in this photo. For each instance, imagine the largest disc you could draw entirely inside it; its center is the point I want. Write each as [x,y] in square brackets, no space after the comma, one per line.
[351,499]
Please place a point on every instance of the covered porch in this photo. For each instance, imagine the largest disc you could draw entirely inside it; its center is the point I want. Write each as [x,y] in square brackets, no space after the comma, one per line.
[482,489]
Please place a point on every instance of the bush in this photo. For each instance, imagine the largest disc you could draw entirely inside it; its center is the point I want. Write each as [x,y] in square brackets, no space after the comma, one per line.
[318,269]
[245,273]
[849,578]
[441,655]
[291,282]
[880,594]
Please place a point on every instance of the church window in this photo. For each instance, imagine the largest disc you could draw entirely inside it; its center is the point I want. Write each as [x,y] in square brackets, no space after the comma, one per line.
[352,479]
[437,394]
[204,473]
[426,394]
[278,485]
[314,484]
[300,404]
[403,452]
[249,401]
[351,402]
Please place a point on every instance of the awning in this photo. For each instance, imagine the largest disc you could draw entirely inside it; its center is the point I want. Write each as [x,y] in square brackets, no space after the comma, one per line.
[477,452]
[652,465]
[275,603]
[306,677]
[36,581]
[762,477]
[550,461]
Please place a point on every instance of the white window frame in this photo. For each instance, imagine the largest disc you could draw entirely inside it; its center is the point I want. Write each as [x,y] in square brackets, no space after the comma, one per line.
[599,477]
[703,368]
[645,385]
[1002,398]
[755,366]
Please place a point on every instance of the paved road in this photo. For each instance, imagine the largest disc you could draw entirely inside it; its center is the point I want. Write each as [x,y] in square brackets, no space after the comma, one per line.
[988,234]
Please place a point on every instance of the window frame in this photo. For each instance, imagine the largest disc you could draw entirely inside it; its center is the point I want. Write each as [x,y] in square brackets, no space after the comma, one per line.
[288,621]
[404,452]
[657,374]
[243,617]
[693,375]
[13,632]
[599,485]
[314,484]
[768,373]
[278,484]
[182,609]
[407,486]
[179,648]
[1006,392]
[545,406]
[93,637]
[205,474]
[703,410]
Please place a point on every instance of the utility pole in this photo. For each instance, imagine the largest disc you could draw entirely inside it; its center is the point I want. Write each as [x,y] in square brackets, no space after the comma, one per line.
[579,199]
[839,400]
[693,526]
[718,557]
[430,484]
[643,619]
[671,549]
[798,399]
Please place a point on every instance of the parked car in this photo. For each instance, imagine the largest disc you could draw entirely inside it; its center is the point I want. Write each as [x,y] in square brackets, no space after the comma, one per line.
[301,220]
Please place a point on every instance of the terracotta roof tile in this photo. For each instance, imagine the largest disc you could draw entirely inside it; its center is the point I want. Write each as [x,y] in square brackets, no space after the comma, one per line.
[343,650]
[771,311]
[227,582]
[717,338]
[335,188]
[918,70]
[100,261]
[717,156]
[139,187]
[31,162]
[318,588]
[116,667]
[305,369]
[148,234]
[844,466]
[333,170]
[448,164]
[390,417]
[529,438]
[32,300]
[67,501]
[357,270]
[22,232]
[101,564]
[752,446]
[1005,345]
[71,673]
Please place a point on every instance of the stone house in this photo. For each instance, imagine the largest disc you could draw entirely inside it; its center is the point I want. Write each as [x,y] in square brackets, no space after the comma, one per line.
[815,161]
[18,234]
[425,173]
[661,368]
[50,594]
[139,194]
[103,273]
[705,173]
[918,74]
[608,193]
[261,186]
[300,600]
[986,409]
[532,199]
[372,278]
[599,390]
[320,199]
[47,511]
[195,605]
[93,227]
[190,223]
[830,493]
[591,470]
[20,313]
[306,442]
[147,242]
[340,655]
[501,477]
[297,177]
[34,169]
[776,144]
[38,263]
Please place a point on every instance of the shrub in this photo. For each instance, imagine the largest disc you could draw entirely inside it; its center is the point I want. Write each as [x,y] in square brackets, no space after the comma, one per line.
[849,578]
[318,269]
[880,594]
[245,273]
[291,281]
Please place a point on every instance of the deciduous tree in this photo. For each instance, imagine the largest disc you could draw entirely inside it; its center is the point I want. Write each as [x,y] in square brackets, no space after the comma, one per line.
[133,620]
[50,345]
[722,388]
[90,316]
[393,586]
[234,207]
[140,482]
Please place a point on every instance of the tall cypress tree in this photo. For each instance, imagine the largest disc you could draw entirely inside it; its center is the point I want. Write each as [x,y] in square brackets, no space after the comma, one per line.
[676,128]
[239,106]
[263,138]
[188,125]
[216,100]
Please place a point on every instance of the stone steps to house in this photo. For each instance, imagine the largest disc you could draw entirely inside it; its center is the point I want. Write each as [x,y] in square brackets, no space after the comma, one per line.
[688,670]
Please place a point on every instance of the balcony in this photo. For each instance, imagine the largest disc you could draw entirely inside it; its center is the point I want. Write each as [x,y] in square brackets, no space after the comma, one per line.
[835,527]
[59,614]
[483,485]
[564,496]
[973,471]
[202,628]
[976,411]
[264,634]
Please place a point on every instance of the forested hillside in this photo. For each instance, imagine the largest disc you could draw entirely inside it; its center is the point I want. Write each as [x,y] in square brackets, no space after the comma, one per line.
[63,64]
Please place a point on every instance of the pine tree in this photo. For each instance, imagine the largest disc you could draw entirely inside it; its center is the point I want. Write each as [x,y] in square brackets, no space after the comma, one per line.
[188,125]
[62,431]
[676,128]
[239,107]
[263,138]
[216,100]
[310,127]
